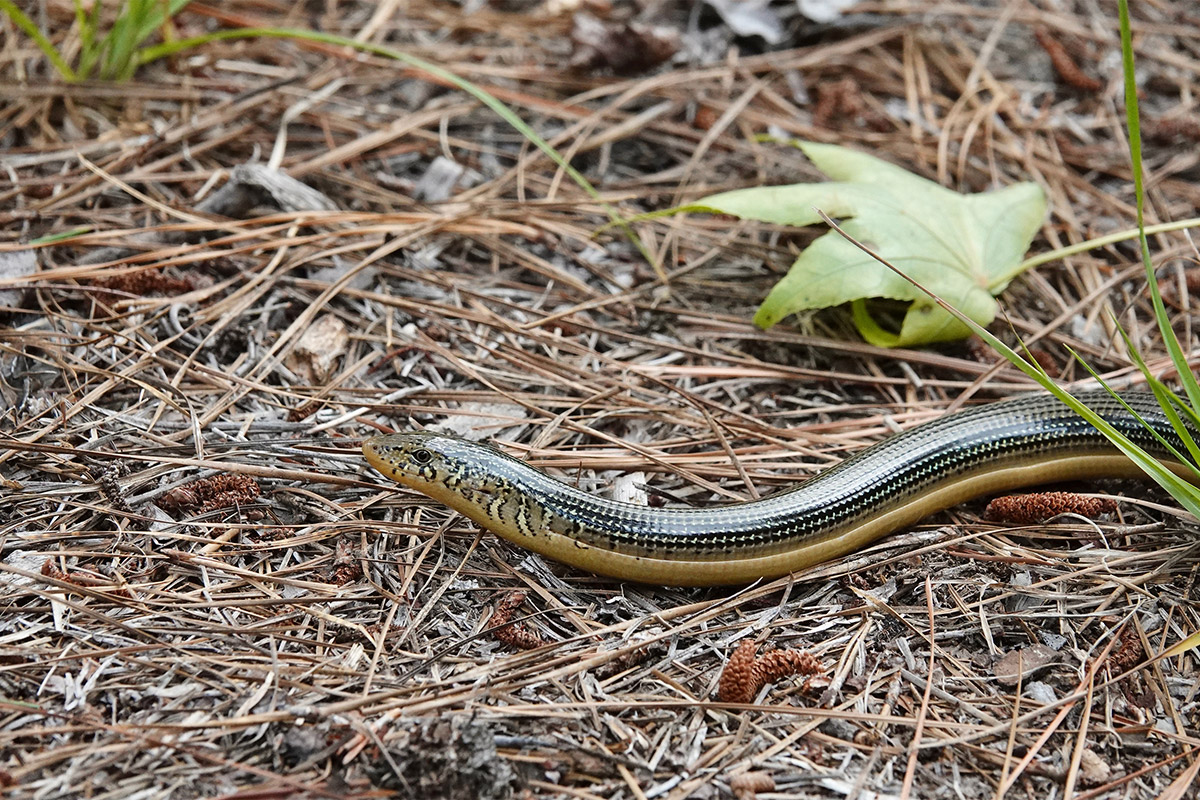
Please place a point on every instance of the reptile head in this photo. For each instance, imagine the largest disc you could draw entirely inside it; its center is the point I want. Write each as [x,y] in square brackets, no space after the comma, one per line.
[440,466]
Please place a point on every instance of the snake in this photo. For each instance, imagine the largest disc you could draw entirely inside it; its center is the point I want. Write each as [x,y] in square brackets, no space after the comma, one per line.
[983,450]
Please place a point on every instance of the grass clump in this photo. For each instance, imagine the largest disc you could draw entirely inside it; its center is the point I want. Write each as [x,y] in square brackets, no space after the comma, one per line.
[113,53]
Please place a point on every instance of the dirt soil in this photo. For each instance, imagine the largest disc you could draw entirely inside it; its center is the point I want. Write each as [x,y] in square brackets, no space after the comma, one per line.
[218,277]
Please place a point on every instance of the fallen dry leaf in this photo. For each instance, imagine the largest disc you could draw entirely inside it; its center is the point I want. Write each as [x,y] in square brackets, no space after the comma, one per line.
[314,356]
[1021,664]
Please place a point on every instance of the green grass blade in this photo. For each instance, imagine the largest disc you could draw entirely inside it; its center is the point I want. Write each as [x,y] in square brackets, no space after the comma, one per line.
[1133,122]
[1183,492]
[1166,398]
[26,26]
[119,42]
[81,18]
[149,19]
[62,235]
[1178,357]
[1184,408]
[93,53]
[164,11]
[87,30]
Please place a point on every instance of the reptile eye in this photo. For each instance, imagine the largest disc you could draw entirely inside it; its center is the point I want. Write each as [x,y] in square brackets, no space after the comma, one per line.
[421,456]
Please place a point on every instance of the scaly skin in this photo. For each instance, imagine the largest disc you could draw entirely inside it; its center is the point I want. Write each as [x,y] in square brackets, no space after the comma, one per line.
[984,450]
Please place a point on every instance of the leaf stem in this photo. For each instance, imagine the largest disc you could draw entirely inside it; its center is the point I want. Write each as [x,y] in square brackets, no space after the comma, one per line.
[1092,244]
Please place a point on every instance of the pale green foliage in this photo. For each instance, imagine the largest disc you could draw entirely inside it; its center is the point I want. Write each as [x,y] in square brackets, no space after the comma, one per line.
[962,247]
[1185,491]
[112,55]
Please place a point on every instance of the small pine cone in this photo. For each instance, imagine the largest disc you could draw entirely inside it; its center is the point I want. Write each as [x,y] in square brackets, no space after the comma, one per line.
[1028,509]
[144,282]
[222,500]
[737,683]
[111,486]
[747,785]
[623,662]
[1044,359]
[505,608]
[1064,64]
[781,663]
[211,494]
[84,579]
[51,570]
[744,675]
[232,489]
[1129,651]
[520,637]
[510,633]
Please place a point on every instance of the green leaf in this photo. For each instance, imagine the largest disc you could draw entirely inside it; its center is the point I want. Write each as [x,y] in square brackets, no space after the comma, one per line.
[964,248]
